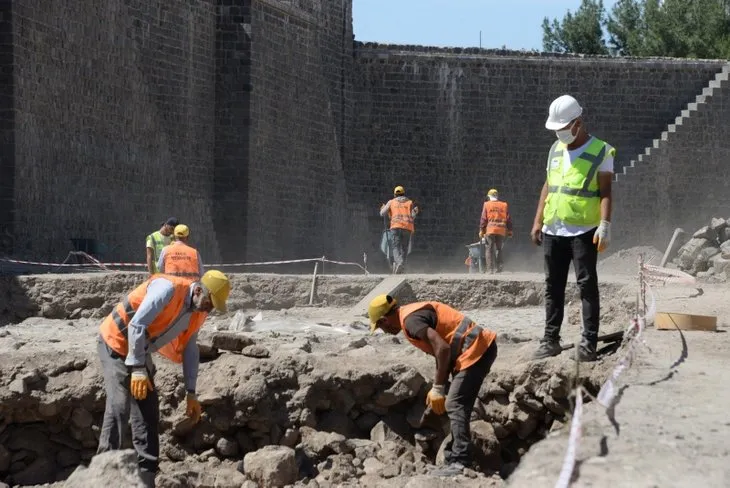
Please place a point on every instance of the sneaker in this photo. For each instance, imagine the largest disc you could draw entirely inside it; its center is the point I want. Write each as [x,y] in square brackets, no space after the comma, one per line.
[548,348]
[586,352]
[451,469]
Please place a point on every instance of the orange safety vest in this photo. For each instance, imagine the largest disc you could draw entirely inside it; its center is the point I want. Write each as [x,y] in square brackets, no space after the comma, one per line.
[114,327]
[496,217]
[181,260]
[401,216]
[467,340]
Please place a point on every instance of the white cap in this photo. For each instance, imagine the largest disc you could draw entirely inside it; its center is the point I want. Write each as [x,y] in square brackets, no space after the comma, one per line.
[562,112]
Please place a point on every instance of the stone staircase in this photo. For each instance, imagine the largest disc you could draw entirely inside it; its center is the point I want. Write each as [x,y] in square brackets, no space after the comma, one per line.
[722,79]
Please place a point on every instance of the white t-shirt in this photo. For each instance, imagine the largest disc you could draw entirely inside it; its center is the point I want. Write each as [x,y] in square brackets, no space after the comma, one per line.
[559,228]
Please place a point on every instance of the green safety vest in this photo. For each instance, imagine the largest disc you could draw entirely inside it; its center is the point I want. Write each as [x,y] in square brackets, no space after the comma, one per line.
[158,242]
[574,197]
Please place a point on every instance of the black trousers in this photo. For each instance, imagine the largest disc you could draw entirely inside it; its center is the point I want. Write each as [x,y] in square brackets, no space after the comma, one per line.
[460,401]
[559,253]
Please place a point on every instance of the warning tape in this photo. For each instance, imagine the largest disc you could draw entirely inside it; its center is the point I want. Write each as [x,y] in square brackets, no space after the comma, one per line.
[98,264]
[566,471]
[657,274]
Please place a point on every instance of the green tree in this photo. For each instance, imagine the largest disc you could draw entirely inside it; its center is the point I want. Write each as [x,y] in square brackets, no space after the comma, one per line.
[626,28]
[673,28]
[581,32]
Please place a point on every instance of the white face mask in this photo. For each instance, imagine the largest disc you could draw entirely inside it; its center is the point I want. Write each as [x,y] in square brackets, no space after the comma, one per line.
[565,136]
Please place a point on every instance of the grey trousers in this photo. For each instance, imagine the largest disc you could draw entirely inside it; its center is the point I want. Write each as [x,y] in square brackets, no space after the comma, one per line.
[463,393]
[121,407]
[494,252]
[401,240]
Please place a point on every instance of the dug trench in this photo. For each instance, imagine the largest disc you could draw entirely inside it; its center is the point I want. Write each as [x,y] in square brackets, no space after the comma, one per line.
[346,406]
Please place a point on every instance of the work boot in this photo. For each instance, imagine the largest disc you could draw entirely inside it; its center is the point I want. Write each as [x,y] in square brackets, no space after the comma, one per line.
[451,469]
[586,352]
[548,348]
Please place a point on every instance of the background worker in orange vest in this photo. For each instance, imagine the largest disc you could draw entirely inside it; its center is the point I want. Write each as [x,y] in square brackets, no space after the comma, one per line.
[179,258]
[494,226]
[462,348]
[162,314]
[402,212]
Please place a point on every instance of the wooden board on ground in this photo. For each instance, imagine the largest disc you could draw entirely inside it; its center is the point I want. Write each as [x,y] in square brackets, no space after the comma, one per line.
[683,321]
[389,286]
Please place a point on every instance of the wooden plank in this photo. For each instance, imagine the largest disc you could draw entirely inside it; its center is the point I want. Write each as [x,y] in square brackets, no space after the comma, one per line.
[683,321]
[389,286]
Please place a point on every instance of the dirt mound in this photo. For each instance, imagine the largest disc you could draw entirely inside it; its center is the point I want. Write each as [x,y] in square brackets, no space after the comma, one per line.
[350,407]
[626,261]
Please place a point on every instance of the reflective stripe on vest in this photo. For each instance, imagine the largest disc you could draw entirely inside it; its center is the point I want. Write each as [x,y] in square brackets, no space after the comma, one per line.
[456,346]
[573,192]
[114,327]
[467,341]
[128,310]
[400,214]
[584,191]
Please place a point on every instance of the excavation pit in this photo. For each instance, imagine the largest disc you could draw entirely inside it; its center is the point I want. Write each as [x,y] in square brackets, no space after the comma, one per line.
[310,378]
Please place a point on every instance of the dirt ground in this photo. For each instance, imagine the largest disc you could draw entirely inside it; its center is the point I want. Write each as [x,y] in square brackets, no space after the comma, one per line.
[671,422]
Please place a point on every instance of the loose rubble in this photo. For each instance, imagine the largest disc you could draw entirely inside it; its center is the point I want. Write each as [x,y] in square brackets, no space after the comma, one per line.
[306,409]
[706,254]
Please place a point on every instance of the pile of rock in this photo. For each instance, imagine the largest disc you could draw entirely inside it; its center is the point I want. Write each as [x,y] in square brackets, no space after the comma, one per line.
[707,254]
[341,414]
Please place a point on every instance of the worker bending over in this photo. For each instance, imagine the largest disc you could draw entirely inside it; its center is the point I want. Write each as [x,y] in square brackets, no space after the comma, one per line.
[156,241]
[494,226]
[573,222]
[164,315]
[402,213]
[462,348]
[179,258]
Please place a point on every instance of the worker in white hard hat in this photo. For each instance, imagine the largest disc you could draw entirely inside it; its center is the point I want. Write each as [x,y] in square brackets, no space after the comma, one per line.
[573,222]
[402,212]
[462,349]
[495,224]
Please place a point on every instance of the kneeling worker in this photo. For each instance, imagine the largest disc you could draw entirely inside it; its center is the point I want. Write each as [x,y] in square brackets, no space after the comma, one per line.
[162,314]
[462,348]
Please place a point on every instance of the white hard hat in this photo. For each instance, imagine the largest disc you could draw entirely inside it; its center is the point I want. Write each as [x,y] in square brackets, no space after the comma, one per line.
[562,112]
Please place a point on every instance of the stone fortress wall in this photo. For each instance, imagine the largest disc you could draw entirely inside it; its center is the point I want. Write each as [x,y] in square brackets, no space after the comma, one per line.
[264,126]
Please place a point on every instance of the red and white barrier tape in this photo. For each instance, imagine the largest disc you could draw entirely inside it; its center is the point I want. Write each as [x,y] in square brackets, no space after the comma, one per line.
[608,391]
[98,264]
[566,472]
[657,274]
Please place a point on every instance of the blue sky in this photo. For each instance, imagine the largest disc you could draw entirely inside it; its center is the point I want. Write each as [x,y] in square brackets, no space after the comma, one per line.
[516,24]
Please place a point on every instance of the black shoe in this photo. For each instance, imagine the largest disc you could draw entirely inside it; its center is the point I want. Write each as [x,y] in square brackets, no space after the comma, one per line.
[586,352]
[548,348]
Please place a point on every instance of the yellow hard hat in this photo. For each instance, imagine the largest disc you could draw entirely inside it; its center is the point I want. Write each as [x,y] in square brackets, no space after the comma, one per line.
[492,192]
[379,307]
[219,287]
[181,230]
[399,190]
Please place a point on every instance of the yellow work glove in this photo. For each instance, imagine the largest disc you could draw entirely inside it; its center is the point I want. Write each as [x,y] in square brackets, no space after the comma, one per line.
[482,234]
[602,236]
[140,384]
[436,399]
[193,410]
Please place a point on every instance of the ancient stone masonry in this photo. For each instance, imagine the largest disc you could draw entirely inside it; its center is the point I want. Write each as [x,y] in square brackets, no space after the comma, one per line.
[449,124]
[114,123]
[262,125]
[679,180]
